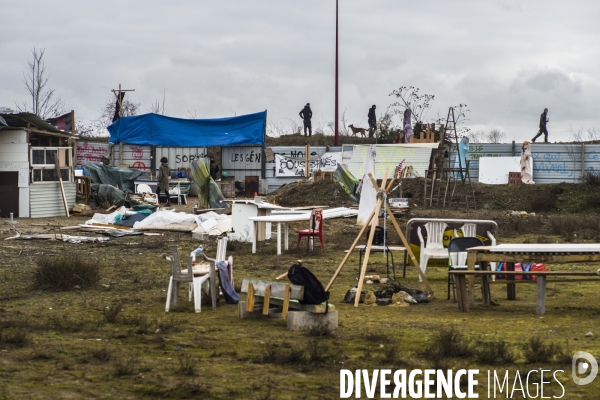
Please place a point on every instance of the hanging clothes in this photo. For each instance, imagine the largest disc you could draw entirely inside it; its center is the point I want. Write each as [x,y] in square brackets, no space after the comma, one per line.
[463,152]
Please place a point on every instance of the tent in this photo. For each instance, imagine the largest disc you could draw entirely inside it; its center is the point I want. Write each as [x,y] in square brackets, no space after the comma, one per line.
[160,130]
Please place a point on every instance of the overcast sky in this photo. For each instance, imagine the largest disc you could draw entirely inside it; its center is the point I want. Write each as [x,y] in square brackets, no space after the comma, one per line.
[505,59]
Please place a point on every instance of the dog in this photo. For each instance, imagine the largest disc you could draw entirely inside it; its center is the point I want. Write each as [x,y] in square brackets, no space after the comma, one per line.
[355,130]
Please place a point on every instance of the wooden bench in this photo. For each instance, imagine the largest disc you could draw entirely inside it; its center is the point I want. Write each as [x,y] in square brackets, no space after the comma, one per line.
[463,298]
[266,299]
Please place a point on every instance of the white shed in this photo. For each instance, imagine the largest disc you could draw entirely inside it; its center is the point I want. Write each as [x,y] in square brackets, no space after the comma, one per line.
[29,150]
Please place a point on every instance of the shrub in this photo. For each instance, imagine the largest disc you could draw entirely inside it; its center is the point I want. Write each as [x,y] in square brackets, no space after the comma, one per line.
[187,365]
[543,201]
[65,272]
[536,350]
[111,313]
[591,179]
[494,352]
[125,366]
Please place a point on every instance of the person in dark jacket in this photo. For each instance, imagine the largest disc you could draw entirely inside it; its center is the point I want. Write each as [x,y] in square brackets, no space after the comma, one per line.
[164,174]
[543,129]
[372,121]
[306,115]
[214,169]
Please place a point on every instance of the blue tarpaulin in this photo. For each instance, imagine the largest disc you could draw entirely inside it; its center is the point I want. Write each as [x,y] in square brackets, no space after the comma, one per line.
[159,130]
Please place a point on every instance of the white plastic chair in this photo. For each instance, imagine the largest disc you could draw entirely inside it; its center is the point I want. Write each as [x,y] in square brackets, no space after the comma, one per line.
[469,230]
[435,246]
[195,278]
[143,189]
[221,255]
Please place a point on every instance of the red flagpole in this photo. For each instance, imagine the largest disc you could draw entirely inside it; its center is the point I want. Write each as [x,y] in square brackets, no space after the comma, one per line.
[336,142]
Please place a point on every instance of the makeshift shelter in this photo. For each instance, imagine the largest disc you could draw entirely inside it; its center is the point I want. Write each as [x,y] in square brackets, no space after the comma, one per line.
[30,150]
[160,130]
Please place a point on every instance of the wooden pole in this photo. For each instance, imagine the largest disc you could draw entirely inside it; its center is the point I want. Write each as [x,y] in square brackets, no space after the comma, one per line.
[360,234]
[362,231]
[369,243]
[60,182]
[405,242]
[307,166]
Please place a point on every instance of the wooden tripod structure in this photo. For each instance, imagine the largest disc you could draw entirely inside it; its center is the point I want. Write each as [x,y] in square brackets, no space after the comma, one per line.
[373,218]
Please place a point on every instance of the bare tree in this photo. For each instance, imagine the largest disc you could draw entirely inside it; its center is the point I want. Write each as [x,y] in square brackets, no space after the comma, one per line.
[409,97]
[476,137]
[157,107]
[44,103]
[107,112]
[495,136]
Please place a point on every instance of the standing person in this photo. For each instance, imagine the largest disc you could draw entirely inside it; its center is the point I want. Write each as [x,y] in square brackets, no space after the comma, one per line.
[372,121]
[543,129]
[164,174]
[214,168]
[306,115]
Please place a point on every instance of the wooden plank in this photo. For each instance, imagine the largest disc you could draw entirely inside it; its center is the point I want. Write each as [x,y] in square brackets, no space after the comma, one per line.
[537,258]
[363,270]
[511,290]
[504,282]
[296,305]
[277,288]
[266,303]
[60,182]
[540,303]
[250,298]
[286,301]
[538,273]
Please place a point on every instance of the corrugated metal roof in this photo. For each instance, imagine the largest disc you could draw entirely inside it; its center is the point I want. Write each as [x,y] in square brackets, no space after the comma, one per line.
[21,120]
[180,157]
[389,157]
[137,157]
[45,199]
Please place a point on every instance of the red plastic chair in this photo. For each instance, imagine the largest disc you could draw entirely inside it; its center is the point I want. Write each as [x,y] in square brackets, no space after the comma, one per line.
[316,229]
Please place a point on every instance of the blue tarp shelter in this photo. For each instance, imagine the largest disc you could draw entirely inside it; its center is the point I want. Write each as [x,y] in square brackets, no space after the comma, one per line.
[159,130]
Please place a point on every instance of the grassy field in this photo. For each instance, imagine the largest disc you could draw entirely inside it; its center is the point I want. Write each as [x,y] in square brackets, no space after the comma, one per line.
[114,340]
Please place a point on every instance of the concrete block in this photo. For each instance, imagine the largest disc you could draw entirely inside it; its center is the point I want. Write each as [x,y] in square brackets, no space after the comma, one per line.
[201,237]
[304,320]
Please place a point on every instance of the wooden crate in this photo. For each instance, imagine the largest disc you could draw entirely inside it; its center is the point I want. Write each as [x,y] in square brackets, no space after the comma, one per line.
[322,176]
[515,178]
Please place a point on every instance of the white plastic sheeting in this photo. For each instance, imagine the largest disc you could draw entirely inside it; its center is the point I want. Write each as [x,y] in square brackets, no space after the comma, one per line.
[168,221]
[526,164]
[368,194]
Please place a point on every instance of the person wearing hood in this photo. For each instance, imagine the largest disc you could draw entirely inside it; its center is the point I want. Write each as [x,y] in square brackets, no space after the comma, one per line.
[164,174]
[306,115]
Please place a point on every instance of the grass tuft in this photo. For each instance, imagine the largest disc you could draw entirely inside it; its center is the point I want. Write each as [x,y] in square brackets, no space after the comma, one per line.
[66,272]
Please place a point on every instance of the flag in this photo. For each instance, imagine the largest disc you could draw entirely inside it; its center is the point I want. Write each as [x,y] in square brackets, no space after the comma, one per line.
[63,122]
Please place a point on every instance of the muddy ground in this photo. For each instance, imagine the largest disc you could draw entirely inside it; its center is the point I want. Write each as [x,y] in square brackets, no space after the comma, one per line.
[70,344]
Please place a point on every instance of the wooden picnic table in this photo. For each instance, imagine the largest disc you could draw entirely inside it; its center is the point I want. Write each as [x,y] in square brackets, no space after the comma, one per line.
[525,253]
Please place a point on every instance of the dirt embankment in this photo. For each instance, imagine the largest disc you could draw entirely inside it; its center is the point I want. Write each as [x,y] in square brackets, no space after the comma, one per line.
[307,193]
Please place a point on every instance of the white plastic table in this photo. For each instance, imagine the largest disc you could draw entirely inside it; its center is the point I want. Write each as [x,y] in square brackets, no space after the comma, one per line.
[285,219]
[279,219]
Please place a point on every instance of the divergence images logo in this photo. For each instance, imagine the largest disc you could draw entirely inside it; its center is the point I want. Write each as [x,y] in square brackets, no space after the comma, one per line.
[582,367]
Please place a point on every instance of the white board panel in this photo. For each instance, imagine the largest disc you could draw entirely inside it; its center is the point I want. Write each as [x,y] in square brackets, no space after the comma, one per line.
[389,156]
[494,170]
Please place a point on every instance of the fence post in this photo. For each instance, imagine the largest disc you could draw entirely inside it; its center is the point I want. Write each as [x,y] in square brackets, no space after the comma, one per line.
[582,160]
[513,148]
